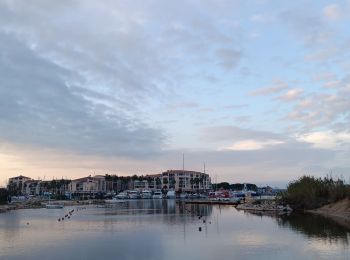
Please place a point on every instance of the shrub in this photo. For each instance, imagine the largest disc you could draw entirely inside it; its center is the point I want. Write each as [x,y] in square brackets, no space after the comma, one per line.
[309,192]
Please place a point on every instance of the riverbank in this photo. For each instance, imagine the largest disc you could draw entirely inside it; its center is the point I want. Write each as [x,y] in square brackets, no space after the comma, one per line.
[41,204]
[338,211]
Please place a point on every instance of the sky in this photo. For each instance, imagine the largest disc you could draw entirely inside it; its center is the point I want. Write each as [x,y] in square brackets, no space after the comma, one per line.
[259,91]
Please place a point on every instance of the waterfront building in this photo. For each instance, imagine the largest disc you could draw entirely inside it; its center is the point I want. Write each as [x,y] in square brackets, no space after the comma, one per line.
[32,187]
[154,181]
[186,181]
[16,184]
[88,185]
[140,185]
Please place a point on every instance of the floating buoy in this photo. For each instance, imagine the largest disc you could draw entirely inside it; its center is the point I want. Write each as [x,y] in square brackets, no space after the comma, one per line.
[203,220]
[200,229]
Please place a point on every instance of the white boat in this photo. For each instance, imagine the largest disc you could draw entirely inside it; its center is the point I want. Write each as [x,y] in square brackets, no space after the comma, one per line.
[183,195]
[146,194]
[134,194]
[122,195]
[114,200]
[157,195]
[170,194]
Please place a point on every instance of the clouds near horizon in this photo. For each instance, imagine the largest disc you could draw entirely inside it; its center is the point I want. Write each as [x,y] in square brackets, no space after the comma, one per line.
[244,86]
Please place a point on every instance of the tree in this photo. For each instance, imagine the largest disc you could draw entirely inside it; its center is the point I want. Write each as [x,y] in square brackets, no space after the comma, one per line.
[4,194]
[158,181]
[14,190]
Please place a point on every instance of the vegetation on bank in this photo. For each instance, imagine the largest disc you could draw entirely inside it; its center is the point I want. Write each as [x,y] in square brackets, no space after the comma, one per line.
[309,192]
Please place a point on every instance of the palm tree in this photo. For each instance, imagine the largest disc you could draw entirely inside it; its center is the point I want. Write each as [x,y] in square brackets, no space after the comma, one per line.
[201,181]
[158,181]
[192,182]
[196,181]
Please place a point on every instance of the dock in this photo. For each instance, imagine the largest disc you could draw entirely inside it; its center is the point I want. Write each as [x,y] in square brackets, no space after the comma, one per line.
[211,202]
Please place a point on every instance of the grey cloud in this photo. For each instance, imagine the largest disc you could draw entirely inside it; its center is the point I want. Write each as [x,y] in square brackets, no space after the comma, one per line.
[233,133]
[37,107]
[324,109]
[229,58]
[277,87]
[236,106]
[309,26]
[284,162]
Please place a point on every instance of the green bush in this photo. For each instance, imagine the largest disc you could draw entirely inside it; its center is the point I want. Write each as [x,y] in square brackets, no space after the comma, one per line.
[309,192]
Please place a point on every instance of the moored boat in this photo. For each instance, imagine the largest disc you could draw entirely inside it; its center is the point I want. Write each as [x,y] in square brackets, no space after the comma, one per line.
[122,195]
[170,194]
[134,194]
[146,194]
[157,194]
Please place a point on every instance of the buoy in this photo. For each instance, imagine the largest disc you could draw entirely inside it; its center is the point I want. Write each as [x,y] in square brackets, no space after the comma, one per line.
[203,220]
[200,229]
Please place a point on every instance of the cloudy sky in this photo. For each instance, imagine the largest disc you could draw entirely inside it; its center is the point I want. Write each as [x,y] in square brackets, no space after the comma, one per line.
[258,90]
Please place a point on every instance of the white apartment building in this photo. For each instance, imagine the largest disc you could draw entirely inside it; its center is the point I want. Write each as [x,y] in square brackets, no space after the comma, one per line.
[187,181]
[88,185]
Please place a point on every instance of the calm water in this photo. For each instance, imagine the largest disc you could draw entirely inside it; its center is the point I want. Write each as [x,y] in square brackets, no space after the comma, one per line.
[166,230]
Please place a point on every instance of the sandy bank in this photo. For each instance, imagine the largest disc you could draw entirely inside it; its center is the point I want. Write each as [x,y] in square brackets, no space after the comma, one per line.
[338,211]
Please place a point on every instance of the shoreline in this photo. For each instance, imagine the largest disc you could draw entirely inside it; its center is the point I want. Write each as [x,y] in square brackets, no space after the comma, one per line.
[338,211]
[41,204]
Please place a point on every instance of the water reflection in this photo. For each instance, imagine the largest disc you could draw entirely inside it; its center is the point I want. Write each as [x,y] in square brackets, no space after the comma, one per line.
[316,226]
[166,229]
[312,226]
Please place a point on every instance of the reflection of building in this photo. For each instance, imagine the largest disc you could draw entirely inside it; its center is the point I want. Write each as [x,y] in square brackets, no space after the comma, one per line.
[187,181]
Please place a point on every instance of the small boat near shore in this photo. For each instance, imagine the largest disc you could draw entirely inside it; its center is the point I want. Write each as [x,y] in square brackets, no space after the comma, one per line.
[54,206]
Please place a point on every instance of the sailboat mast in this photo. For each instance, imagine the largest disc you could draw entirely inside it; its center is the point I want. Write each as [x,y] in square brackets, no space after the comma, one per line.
[183,162]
